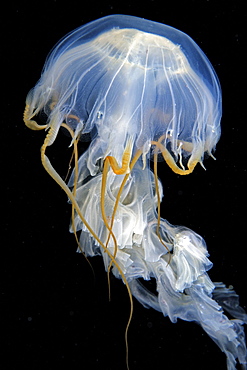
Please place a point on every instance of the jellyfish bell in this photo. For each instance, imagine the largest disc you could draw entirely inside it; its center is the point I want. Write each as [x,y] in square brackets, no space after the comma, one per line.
[133,84]
[125,76]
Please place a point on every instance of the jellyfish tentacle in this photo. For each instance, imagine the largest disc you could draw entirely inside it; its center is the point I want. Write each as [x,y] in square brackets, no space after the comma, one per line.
[56,177]
[73,116]
[111,161]
[106,223]
[158,202]
[71,160]
[194,159]
[125,169]
[132,164]
[125,159]
[110,226]
[30,123]
[102,206]
[118,196]
[76,173]
[75,155]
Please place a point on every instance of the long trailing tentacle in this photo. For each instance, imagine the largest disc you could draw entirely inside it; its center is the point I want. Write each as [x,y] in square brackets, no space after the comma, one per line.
[76,173]
[52,172]
[131,166]
[110,161]
[126,166]
[158,201]
[49,139]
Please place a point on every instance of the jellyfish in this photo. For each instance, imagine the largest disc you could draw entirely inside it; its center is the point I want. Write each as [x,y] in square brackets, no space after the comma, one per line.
[138,90]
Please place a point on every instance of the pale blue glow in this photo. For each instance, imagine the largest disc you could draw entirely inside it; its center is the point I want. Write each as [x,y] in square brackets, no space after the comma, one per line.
[120,78]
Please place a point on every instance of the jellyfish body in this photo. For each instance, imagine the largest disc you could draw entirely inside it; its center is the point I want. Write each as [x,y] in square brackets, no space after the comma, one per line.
[136,87]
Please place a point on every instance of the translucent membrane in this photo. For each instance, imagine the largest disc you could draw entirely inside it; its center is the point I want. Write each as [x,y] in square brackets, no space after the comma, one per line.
[135,85]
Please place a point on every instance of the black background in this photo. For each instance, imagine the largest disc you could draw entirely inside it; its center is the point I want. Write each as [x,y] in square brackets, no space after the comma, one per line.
[57,312]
